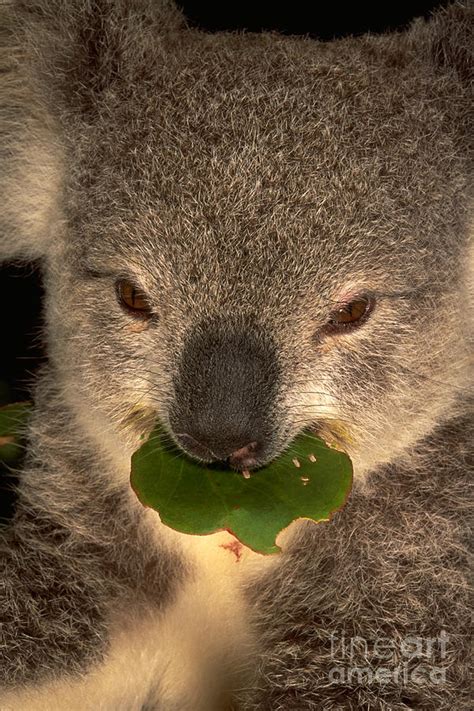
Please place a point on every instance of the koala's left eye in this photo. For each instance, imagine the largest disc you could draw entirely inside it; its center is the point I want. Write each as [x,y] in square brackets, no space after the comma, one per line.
[132,299]
[351,315]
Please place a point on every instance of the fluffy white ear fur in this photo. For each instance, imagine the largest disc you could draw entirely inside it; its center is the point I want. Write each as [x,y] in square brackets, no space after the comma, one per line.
[30,150]
[51,54]
[31,190]
[447,38]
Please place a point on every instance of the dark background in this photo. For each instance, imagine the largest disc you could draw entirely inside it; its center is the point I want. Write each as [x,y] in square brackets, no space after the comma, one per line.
[22,349]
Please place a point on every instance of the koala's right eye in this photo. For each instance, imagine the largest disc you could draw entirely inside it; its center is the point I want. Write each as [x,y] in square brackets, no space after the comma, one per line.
[132,299]
[351,315]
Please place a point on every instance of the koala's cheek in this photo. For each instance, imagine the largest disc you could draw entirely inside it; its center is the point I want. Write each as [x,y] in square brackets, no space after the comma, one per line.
[136,425]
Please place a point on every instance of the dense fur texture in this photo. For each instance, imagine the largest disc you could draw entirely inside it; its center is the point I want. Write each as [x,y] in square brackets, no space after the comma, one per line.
[248,184]
[366,589]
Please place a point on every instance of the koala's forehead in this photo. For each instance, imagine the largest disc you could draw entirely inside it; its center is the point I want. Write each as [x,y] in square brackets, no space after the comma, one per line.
[253,145]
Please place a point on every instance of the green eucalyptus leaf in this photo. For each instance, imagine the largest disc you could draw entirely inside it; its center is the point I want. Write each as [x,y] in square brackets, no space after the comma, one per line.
[310,480]
[201,499]
[13,419]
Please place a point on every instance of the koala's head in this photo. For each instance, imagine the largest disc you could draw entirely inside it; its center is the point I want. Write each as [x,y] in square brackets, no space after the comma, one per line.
[245,236]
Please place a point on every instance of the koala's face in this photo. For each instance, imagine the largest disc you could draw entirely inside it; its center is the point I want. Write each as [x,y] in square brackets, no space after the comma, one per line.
[262,242]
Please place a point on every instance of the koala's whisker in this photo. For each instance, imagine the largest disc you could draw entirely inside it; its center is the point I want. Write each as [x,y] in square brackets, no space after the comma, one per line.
[150,371]
[144,362]
[313,421]
[319,393]
[141,375]
[311,435]
[166,437]
[19,445]
[313,414]
[326,414]
[153,451]
[435,381]
[313,392]
[162,445]
[309,406]
[306,405]
[152,386]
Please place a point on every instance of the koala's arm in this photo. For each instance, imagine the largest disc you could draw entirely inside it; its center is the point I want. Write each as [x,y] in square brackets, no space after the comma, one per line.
[371,609]
[75,553]
[52,596]
[52,607]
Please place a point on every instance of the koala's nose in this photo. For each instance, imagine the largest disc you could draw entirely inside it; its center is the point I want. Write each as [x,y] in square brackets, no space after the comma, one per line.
[224,393]
[239,456]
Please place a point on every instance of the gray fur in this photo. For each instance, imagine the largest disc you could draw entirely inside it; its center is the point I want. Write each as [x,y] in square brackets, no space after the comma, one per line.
[356,578]
[76,552]
[246,182]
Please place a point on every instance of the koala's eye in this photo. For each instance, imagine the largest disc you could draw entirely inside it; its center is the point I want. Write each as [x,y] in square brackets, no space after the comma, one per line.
[132,299]
[351,315]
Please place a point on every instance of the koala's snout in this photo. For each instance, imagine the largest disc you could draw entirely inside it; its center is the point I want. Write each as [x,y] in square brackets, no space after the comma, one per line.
[224,395]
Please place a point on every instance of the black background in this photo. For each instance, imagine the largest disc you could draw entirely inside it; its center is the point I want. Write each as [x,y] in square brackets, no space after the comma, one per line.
[20,285]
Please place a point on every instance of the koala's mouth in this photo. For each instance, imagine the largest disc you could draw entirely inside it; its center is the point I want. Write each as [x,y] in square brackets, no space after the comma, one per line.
[139,421]
[256,454]
[334,433]
[234,457]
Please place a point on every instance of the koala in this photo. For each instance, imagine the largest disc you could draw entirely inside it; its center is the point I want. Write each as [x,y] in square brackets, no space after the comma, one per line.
[245,237]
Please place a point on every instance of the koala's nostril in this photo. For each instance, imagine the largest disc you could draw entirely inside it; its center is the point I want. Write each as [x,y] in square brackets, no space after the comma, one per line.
[245,456]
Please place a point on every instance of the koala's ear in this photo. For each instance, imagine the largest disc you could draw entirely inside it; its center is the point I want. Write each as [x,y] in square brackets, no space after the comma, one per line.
[29,165]
[447,39]
[57,57]
[84,46]
[30,188]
